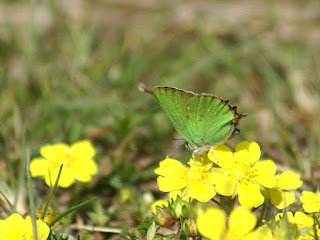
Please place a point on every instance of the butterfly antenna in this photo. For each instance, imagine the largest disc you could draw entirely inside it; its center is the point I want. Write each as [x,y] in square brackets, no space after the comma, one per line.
[175,149]
[143,88]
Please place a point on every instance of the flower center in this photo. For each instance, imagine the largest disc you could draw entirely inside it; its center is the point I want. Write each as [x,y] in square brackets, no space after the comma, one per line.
[196,173]
[243,172]
[64,159]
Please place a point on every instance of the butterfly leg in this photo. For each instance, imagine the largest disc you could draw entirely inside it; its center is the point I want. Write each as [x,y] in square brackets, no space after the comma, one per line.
[214,155]
[193,158]
[201,158]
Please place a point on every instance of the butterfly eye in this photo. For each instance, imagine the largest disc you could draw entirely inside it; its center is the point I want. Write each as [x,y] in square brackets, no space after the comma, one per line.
[187,145]
[235,132]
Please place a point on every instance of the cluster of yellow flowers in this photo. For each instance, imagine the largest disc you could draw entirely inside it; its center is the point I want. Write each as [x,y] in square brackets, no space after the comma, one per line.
[238,174]
[78,164]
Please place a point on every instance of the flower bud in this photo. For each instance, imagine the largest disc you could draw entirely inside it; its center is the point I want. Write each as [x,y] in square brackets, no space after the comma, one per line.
[190,228]
[163,218]
[179,208]
[49,216]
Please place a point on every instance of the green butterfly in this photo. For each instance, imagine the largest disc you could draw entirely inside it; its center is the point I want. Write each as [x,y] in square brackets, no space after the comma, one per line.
[203,120]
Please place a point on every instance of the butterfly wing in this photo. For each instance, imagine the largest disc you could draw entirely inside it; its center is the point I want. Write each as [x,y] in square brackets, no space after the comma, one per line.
[174,103]
[203,120]
[209,119]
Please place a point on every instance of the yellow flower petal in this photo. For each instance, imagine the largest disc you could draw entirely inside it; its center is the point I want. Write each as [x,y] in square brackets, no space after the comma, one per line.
[82,150]
[265,171]
[281,199]
[212,223]
[250,195]
[311,201]
[170,167]
[224,184]
[84,169]
[40,167]
[66,178]
[12,227]
[17,228]
[55,152]
[302,220]
[223,156]
[201,191]
[247,152]
[241,222]
[266,166]
[289,180]
[42,229]
[174,194]
[308,196]
[168,184]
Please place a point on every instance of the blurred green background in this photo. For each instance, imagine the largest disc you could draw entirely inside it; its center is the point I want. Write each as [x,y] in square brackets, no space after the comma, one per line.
[70,70]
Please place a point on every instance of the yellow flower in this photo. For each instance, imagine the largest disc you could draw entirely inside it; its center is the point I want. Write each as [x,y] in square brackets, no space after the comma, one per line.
[299,218]
[195,181]
[279,196]
[17,228]
[303,222]
[242,174]
[310,201]
[77,163]
[241,224]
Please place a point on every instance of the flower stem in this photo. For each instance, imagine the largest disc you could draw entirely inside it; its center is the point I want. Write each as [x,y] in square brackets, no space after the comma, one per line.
[178,234]
[49,198]
[264,206]
[30,196]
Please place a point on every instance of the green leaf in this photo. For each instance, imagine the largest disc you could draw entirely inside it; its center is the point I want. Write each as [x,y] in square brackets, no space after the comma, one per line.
[151,231]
